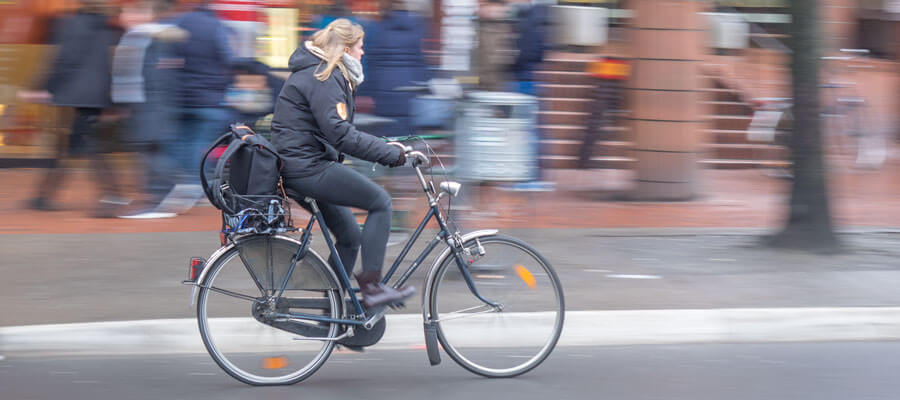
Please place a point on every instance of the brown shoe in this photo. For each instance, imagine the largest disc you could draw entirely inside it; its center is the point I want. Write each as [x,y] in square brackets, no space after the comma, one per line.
[377,294]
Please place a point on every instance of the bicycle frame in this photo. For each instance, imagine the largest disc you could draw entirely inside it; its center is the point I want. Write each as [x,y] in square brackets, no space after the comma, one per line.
[347,289]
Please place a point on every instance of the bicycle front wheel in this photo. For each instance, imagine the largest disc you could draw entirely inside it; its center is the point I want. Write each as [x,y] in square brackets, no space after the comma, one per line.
[516,335]
[237,304]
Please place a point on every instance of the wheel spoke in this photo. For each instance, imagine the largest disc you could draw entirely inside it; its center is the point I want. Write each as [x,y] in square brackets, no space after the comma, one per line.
[234,294]
[246,264]
[463,314]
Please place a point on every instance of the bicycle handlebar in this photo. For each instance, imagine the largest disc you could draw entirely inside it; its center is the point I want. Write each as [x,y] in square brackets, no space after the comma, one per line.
[418,159]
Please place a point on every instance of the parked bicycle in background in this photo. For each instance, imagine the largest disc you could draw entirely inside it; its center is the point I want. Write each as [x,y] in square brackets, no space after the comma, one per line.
[851,140]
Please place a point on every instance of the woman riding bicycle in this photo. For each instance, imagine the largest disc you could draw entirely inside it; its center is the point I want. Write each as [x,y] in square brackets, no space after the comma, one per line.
[312,128]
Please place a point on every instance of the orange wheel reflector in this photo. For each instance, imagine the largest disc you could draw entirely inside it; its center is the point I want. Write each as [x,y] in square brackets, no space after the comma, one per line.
[526,276]
[275,362]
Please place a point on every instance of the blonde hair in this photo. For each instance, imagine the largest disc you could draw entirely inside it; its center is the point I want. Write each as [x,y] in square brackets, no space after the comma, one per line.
[333,39]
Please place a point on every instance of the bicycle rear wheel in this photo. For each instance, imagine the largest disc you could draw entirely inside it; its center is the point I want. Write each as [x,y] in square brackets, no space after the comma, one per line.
[502,342]
[236,300]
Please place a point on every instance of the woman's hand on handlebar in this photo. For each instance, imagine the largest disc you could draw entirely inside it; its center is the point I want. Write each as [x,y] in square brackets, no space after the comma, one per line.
[399,161]
[417,157]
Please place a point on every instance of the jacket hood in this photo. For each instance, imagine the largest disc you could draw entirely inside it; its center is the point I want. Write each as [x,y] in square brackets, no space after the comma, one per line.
[302,59]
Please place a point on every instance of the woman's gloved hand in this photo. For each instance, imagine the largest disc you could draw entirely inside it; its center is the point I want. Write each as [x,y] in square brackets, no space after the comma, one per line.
[399,161]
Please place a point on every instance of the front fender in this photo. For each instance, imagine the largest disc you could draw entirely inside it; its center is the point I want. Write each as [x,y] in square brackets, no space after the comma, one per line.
[432,273]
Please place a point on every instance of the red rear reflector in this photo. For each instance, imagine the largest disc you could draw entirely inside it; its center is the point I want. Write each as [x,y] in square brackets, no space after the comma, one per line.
[196,266]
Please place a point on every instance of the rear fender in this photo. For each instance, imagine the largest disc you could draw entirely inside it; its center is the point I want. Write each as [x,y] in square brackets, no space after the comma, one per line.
[214,258]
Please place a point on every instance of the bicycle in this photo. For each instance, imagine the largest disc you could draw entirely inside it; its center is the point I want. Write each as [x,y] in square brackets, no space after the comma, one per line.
[848,142]
[270,310]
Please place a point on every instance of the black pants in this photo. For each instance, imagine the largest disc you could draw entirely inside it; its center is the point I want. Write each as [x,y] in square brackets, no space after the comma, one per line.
[84,141]
[606,96]
[337,188]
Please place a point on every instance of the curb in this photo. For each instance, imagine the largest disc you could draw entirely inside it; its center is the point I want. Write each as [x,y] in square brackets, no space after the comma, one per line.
[702,231]
[404,331]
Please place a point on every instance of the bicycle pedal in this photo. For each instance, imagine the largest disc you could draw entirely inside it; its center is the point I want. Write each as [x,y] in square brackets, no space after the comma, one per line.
[372,312]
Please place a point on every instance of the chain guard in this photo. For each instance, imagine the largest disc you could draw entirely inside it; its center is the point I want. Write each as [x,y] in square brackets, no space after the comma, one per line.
[302,328]
[363,337]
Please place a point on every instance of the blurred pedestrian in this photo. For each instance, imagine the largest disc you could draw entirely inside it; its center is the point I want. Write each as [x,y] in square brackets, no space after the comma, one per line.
[532,32]
[330,12]
[606,104]
[80,78]
[495,40]
[252,93]
[242,18]
[144,80]
[202,80]
[395,60]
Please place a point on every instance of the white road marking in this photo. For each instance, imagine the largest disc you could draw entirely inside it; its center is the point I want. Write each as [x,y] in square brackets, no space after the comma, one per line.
[598,270]
[582,328]
[489,283]
[723,259]
[485,276]
[626,276]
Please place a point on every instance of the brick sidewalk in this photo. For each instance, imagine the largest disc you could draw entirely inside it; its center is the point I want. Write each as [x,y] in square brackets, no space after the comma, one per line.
[583,199]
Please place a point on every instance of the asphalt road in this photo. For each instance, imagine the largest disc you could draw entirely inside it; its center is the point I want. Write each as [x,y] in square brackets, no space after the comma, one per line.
[107,277]
[820,371]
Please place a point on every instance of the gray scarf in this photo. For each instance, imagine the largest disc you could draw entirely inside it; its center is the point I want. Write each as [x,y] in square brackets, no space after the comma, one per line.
[354,70]
[350,68]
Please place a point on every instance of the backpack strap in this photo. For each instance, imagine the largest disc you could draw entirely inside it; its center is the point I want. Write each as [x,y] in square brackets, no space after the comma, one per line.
[244,133]
[216,144]
[216,189]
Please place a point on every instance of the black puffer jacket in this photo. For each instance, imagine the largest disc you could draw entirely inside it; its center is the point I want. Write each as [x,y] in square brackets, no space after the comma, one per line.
[308,129]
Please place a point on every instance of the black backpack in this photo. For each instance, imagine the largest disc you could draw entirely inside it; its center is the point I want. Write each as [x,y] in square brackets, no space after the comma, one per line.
[246,181]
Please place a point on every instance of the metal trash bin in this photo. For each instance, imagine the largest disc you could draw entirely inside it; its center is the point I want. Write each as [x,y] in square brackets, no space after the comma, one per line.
[496,137]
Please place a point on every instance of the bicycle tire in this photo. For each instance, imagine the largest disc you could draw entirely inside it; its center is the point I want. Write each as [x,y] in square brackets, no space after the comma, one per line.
[245,347]
[492,274]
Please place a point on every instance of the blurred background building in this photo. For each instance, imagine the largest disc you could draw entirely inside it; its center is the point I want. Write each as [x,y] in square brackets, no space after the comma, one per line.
[738,54]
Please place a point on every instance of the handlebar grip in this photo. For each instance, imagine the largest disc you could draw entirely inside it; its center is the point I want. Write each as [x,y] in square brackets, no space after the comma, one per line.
[419,159]
[406,149]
